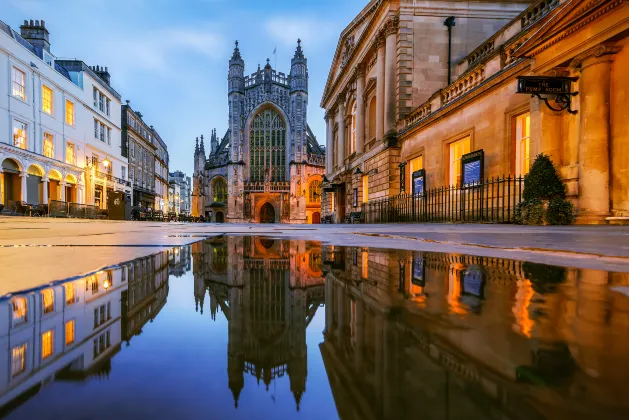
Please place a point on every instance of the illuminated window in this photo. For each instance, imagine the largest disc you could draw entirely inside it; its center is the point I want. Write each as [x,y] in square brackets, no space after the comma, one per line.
[69,332]
[18,360]
[372,118]
[414,165]
[20,309]
[19,84]
[522,144]
[332,202]
[365,188]
[47,344]
[70,154]
[19,134]
[70,294]
[220,190]
[352,142]
[49,146]
[46,99]
[69,112]
[365,264]
[456,151]
[314,192]
[48,297]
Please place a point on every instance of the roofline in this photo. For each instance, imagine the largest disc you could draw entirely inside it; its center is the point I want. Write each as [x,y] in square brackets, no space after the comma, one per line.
[67,62]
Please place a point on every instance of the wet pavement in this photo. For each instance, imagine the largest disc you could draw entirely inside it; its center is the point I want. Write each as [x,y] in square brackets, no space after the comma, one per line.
[263,327]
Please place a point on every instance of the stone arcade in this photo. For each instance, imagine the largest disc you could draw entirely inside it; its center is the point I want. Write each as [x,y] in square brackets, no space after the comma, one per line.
[268,166]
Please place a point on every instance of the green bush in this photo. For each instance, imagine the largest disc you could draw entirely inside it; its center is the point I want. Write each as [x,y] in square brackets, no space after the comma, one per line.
[560,212]
[544,197]
[543,181]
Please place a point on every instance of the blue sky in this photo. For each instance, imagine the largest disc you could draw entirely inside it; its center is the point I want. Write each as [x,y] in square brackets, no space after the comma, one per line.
[170,57]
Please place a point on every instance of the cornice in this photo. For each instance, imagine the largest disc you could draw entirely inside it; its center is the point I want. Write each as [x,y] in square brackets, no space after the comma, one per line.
[596,52]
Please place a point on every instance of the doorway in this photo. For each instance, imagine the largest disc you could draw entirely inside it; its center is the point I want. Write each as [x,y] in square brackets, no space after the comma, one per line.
[267,213]
[220,218]
[316,218]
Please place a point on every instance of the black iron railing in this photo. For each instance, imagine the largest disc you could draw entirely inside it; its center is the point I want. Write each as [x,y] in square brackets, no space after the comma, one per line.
[492,201]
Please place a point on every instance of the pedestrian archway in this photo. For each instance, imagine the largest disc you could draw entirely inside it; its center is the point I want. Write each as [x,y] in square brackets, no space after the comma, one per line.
[10,182]
[267,213]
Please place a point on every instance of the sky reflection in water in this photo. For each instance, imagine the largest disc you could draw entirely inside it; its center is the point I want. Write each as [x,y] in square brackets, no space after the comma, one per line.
[245,327]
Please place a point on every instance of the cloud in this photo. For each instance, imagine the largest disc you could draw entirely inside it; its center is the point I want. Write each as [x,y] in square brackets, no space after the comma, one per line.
[313,32]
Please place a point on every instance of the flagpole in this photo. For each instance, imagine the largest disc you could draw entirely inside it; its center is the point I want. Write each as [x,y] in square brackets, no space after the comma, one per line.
[275,55]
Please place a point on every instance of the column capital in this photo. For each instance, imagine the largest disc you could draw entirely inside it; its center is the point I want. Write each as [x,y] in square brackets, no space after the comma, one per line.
[391,26]
[597,52]
[340,98]
[359,70]
[378,41]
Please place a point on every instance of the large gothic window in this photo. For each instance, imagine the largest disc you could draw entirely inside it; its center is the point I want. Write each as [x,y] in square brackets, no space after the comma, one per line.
[314,192]
[220,190]
[267,139]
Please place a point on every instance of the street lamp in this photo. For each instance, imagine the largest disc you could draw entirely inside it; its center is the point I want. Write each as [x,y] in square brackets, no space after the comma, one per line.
[106,163]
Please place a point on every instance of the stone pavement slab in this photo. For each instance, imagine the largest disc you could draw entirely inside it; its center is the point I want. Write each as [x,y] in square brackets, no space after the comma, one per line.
[34,251]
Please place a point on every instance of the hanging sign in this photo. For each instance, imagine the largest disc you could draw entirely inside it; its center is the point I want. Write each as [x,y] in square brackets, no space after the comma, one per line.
[419,182]
[545,85]
[472,168]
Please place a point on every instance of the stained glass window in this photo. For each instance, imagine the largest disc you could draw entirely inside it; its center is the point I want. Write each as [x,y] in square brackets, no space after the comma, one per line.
[268,147]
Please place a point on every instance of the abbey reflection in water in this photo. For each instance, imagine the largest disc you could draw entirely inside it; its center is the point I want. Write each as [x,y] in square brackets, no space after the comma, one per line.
[269,291]
[459,336]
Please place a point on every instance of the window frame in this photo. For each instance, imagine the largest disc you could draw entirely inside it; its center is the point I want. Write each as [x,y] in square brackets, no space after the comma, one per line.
[48,308]
[44,355]
[451,166]
[45,88]
[518,139]
[73,148]
[24,96]
[14,121]
[47,135]
[73,114]
[23,319]
[365,190]
[24,359]
[65,332]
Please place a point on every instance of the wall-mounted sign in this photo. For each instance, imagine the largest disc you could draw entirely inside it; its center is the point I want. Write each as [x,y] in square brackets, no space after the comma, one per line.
[419,265]
[419,182]
[472,168]
[545,85]
[560,87]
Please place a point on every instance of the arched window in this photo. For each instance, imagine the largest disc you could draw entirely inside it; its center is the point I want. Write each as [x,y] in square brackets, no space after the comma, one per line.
[267,138]
[372,118]
[352,142]
[314,192]
[220,190]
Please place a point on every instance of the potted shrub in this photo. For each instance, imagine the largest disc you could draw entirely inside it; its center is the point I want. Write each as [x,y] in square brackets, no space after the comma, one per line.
[544,197]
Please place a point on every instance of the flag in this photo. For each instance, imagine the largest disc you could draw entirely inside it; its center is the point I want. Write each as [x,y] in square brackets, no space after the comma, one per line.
[275,50]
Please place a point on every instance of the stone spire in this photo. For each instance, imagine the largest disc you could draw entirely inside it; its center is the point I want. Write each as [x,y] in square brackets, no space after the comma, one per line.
[196,147]
[299,52]
[236,55]
[214,142]
[299,71]
[236,72]
[202,147]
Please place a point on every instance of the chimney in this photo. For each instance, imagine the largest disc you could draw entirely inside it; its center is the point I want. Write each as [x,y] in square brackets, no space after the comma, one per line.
[36,33]
[103,73]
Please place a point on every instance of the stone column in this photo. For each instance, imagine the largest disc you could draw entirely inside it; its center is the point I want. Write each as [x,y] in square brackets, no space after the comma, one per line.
[23,176]
[45,188]
[595,65]
[63,190]
[340,314]
[329,126]
[340,152]
[380,77]
[329,305]
[390,32]
[360,109]
[360,334]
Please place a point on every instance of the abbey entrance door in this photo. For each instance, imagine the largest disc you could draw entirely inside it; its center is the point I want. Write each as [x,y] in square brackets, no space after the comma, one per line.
[267,214]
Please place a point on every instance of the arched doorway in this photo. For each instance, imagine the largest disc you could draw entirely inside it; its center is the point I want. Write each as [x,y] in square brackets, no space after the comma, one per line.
[267,213]
[316,218]
[220,217]
[71,189]
[11,183]
[34,186]
[54,186]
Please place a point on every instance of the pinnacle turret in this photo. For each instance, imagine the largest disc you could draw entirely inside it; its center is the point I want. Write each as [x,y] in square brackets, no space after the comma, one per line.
[196,147]
[202,147]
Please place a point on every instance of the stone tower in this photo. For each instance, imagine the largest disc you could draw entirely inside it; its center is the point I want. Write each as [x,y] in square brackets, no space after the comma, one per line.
[236,99]
[299,102]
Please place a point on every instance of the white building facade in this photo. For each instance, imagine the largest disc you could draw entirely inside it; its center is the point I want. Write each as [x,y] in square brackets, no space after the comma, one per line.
[60,136]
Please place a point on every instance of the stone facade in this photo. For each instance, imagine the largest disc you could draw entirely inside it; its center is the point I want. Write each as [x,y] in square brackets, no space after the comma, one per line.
[268,166]
[181,199]
[480,109]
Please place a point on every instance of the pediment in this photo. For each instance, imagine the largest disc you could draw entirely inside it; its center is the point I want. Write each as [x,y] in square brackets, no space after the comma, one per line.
[562,22]
[349,40]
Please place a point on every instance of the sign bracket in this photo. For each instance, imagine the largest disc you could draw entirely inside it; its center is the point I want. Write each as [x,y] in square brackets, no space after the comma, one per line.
[564,101]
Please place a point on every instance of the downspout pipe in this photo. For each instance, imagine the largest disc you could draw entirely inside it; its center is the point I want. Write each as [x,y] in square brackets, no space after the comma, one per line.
[449,22]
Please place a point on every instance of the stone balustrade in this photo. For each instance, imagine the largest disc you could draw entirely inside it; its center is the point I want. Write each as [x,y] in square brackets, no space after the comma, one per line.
[418,114]
[481,52]
[537,11]
[464,84]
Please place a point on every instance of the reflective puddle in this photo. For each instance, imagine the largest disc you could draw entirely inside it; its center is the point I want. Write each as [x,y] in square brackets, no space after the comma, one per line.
[252,327]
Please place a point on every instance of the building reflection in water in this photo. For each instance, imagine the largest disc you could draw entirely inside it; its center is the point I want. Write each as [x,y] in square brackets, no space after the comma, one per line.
[70,330]
[269,291]
[457,336]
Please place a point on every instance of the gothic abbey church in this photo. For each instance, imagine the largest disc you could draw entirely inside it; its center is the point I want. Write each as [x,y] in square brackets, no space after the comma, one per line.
[268,166]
